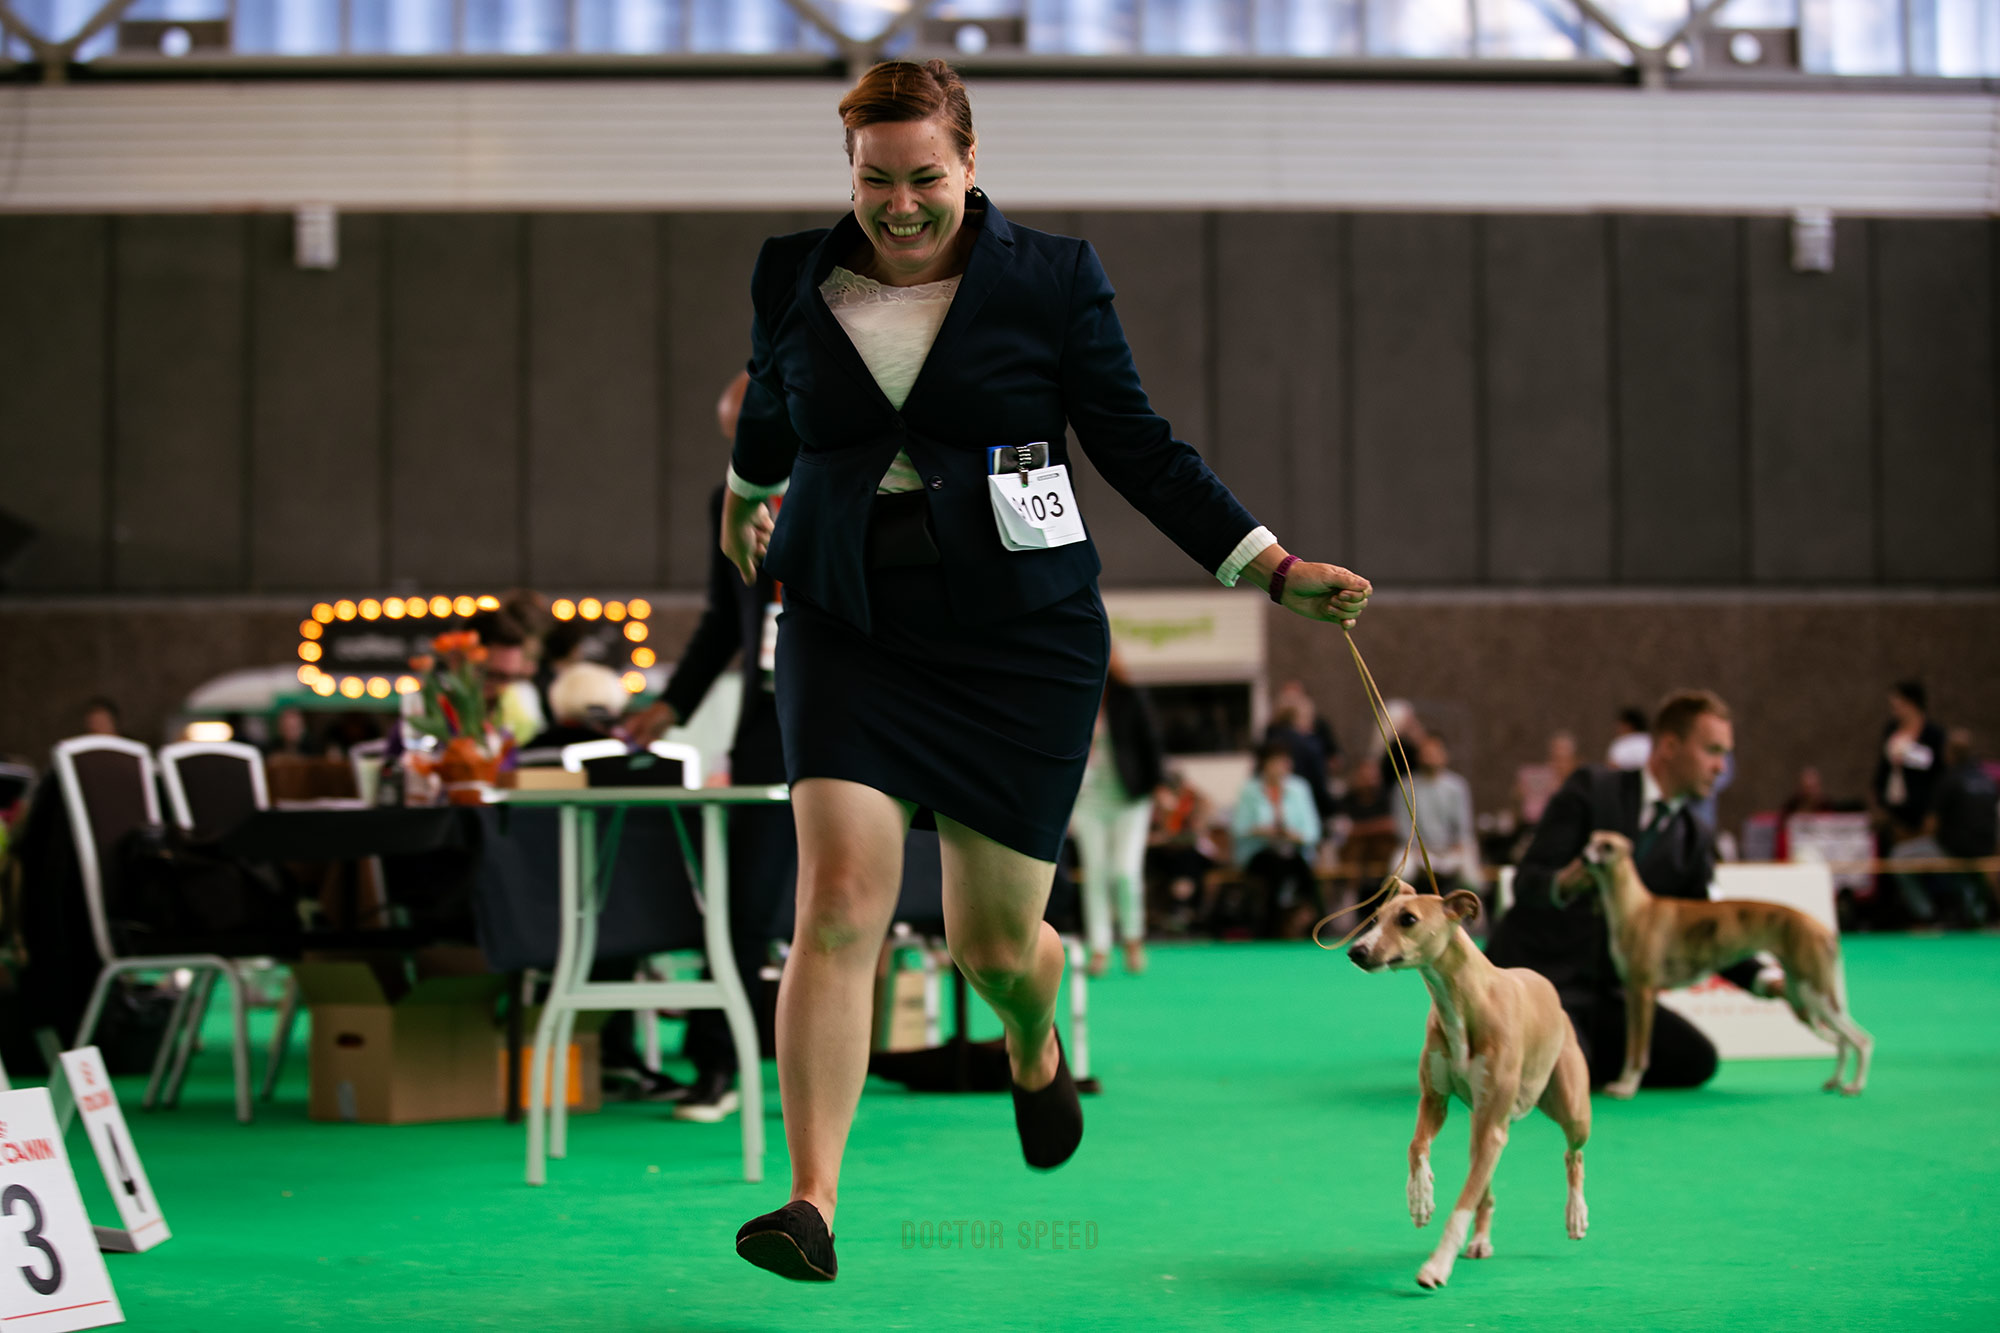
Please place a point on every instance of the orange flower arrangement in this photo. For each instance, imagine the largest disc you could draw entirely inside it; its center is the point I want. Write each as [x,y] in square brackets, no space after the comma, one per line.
[471,749]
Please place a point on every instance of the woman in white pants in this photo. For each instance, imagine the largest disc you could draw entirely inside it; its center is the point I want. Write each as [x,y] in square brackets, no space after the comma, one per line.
[1114,812]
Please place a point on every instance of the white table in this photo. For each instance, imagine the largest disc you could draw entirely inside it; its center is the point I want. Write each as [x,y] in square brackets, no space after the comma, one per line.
[571,991]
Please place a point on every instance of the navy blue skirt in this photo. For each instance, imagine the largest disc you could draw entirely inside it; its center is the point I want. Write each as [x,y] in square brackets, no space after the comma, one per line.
[988,725]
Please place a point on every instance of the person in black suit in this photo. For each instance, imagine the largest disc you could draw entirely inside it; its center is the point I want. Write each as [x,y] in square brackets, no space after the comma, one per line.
[1565,939]
[942,650]
[737,622]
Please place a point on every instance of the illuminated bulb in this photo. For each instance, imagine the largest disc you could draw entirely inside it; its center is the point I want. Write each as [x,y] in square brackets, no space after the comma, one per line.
[323,613]
[614,610]
[310,629]
[644,657]
[378,688]
[392,607]
[489,603]
[309,652]
[635,631]
[343,609]
[308,674]
[351,686]
[638,608]
[408,685]
[370,608]
[209,731]
[563,609]
[323,686]
[589,608]
[440,606]
[465,606]
[634,682]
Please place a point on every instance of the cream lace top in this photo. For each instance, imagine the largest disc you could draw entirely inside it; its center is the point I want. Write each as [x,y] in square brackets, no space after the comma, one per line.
[893,329]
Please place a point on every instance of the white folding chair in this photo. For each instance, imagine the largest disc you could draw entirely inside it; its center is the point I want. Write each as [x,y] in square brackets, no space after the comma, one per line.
[211,787]
[108,790]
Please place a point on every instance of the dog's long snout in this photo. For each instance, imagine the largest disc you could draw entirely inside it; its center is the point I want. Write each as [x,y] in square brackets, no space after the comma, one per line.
[1358,955]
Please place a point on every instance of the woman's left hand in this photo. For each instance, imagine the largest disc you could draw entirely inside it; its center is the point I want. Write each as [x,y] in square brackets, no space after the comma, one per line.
[1325,592]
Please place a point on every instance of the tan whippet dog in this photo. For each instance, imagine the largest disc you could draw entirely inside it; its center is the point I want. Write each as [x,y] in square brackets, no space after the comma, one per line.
[1499,1041]
[1659,943]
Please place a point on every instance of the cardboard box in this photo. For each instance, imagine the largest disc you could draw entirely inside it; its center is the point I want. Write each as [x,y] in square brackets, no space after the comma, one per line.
[397,1041]
[586,1062]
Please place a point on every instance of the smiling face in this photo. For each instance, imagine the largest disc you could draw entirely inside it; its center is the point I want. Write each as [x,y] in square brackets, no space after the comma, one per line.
[1412,928]
[909,197]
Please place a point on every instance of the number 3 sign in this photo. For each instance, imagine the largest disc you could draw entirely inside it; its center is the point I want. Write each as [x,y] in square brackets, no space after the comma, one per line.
[52,1278]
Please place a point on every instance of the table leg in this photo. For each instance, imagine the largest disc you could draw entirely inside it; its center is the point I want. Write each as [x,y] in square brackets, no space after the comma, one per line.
[578,928]
[515,1031]
[538,1060]
[735,1000]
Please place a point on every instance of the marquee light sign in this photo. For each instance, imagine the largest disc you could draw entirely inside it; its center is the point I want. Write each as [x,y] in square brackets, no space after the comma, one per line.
[362,648]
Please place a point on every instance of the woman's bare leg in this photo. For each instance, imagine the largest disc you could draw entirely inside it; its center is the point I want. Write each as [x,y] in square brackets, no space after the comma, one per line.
[993,902]
[850,871]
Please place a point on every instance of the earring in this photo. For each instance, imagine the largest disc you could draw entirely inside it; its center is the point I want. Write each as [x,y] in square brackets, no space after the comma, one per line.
[850,196]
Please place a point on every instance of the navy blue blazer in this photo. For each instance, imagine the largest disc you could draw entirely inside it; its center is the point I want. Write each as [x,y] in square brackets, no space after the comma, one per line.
[1030,344]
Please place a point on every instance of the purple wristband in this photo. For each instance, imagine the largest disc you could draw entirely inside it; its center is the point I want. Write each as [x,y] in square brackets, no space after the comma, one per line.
[1278,578]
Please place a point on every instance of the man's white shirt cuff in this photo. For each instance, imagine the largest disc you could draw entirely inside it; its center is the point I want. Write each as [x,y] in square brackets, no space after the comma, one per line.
[1246,550]
[751,491]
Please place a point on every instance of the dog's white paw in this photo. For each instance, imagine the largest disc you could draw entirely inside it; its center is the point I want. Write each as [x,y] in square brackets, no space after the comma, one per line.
[1434,1274]
[1422,1200]
[1623,1089]
[1578,1218]
[1481,1248]
[1851,1089]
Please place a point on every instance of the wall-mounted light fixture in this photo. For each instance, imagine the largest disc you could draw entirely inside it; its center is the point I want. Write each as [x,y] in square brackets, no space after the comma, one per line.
[316,236]
[1812,240]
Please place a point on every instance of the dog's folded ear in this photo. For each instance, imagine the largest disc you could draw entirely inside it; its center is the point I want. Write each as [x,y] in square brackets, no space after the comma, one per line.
[1462,904]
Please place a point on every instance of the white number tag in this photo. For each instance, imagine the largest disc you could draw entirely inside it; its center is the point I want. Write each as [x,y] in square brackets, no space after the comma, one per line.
[51,1276]
[124,1174]
[1036,516]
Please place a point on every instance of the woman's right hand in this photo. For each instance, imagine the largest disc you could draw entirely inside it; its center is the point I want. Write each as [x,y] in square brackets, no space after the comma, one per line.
[746,533]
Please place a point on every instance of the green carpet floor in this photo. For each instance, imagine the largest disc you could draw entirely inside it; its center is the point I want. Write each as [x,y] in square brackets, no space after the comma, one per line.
[1243,1169]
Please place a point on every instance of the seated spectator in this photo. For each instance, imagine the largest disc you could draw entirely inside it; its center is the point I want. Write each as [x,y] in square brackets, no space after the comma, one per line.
[100,718]
[1534,784]
[1296,724]
[1179,851]
[1408,729]
[511,701]
[293,737]
[1366,824]
[1276,829]
[587,700]
[1633,744]
[1443,802]
[1808,795]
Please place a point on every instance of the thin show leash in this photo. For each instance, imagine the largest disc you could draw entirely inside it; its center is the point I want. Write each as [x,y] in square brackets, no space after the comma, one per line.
[1392,744]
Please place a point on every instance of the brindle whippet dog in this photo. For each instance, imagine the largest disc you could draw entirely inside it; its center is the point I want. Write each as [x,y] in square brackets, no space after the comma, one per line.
[1659,943]
[1499,1041]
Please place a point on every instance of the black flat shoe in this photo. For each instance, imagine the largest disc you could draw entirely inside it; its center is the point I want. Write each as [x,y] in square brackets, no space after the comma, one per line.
[1049,1121]
[792,1242]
